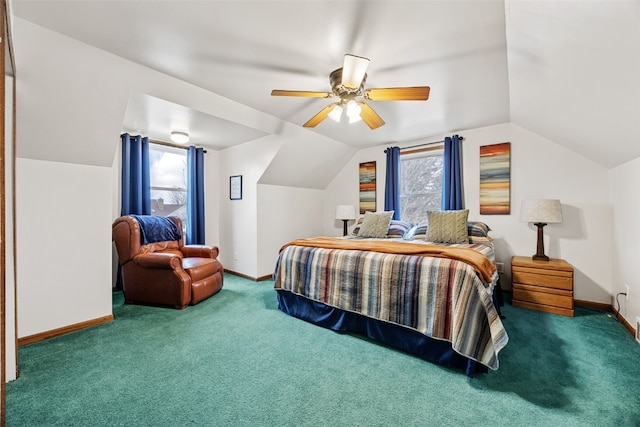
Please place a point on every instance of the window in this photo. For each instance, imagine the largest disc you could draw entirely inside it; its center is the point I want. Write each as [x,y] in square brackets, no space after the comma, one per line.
[168,170]
[420,184]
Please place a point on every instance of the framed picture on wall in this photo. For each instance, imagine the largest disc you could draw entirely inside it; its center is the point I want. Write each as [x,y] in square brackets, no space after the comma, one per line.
[235,187]
[367,172]
[495,179]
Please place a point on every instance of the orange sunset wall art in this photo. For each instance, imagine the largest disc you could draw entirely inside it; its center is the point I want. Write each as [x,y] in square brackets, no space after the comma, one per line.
[367,187]
[495,172]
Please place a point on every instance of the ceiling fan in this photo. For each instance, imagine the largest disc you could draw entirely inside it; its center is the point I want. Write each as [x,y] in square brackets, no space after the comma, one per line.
[347,84]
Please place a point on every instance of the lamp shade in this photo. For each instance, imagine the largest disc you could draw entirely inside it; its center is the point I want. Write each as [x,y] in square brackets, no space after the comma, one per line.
[345,212]
[541,211]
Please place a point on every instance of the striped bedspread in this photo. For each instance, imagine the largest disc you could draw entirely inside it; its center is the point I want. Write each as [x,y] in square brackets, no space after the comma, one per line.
[438,297]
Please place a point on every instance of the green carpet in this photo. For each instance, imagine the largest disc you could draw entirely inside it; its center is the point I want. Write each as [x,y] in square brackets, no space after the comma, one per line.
[236,360]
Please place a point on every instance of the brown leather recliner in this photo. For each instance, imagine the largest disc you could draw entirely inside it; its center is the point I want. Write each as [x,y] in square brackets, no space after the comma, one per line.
[165,272]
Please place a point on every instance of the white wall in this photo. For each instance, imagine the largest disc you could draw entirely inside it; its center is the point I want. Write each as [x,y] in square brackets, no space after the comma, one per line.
[542,169]
[539,169]
[63,226]
[239,218]
[625,252]
[344,189]
[276,207]
[285,213]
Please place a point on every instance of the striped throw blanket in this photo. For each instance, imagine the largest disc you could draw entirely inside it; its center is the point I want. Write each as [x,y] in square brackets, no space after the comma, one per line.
[443,298]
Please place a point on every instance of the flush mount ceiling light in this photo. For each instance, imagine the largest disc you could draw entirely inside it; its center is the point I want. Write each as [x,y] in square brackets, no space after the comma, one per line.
[179,137]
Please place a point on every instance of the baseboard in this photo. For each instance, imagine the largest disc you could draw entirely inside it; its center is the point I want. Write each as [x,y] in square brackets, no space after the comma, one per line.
[244,276]
[591,304]
[99,321]
[607,307]
[624,322]
[64,330]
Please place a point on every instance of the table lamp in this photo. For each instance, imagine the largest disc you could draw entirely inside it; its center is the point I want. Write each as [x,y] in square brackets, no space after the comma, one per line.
[345,213]
[541,212]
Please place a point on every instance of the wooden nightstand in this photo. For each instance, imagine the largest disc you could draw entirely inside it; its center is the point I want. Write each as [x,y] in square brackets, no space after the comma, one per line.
[542,285]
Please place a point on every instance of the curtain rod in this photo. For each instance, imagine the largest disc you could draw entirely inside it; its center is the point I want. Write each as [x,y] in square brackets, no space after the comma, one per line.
[169,144]
[427,143]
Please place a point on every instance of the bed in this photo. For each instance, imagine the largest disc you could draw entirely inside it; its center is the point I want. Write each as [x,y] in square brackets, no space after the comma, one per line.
[405,287]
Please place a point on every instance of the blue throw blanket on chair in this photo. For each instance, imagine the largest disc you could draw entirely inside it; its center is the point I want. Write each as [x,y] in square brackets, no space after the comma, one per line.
[156,229]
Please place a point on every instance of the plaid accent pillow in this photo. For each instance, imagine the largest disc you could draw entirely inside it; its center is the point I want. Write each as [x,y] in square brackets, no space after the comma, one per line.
[398,229]
[477,229]
[419,232]
[484,240]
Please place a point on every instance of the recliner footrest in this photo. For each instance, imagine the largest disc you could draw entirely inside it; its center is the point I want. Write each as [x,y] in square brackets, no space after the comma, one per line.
[200,268]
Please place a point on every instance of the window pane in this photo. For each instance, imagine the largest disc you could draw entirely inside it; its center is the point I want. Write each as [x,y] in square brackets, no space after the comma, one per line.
[420,185]
[168,181]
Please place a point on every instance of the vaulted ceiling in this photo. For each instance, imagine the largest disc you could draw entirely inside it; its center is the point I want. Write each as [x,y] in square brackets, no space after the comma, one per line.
[567,70]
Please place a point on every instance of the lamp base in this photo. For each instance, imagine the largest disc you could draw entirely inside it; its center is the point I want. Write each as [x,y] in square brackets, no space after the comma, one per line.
[344,231]
[540,256]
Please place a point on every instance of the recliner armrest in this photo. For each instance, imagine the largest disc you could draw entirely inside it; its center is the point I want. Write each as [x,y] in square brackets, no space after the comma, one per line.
[158,260]
[200,251]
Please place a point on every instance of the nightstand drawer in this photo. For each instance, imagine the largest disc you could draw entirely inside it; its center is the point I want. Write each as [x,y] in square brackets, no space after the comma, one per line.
[533,294]
[542,307]
[542,285]
[542,279]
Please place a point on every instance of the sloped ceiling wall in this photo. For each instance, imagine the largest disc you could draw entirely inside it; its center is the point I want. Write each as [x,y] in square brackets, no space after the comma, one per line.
[574,74]
[73,99]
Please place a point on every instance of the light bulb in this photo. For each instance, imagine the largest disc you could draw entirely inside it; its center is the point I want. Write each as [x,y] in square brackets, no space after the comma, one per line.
[353,111]
[336,113]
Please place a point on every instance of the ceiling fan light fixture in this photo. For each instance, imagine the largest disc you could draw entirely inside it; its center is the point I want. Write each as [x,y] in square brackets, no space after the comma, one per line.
[179,137]
[347,84]
[336,113]
[353,71]
[353,111]
[354,119]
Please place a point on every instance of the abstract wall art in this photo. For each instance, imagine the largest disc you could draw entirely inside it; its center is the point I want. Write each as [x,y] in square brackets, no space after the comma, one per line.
[367,187]
[495,179]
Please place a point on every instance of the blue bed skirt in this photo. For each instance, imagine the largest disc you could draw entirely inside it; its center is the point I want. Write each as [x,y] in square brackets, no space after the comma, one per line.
[395,336]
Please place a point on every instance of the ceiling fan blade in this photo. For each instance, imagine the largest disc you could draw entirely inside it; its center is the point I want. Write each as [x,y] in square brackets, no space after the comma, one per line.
[308,94]
[315,120]
[353,71]
[370,117]
[416,93]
